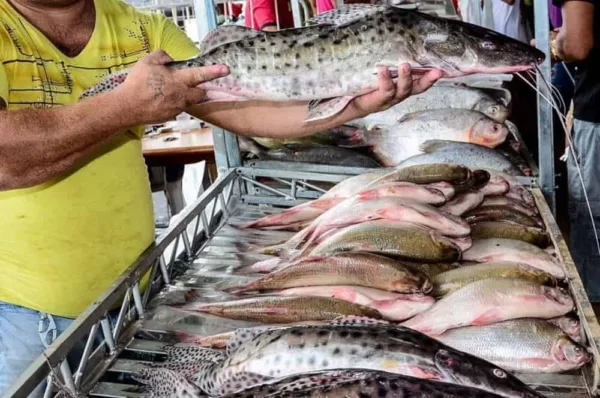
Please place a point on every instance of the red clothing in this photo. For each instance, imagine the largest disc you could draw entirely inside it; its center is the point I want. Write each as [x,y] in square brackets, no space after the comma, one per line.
[325,5]
[264,14]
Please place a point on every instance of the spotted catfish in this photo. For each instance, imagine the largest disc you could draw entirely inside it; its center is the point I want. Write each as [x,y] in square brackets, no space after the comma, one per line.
[337,59]
[256,356]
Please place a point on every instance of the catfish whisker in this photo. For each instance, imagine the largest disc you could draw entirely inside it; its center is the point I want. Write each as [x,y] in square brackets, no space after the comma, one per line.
[576,162]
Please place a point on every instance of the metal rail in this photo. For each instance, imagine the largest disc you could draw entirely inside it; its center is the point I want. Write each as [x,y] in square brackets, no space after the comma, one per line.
[192,224]
[199,252]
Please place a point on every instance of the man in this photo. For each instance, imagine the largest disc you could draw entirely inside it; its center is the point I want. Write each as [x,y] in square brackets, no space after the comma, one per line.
[75,202]
[577,42]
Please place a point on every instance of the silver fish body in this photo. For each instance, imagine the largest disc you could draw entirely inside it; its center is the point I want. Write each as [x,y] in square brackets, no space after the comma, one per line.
[522,345]
[498,249]
[390,145]
[438,97]
[470,155]
[492,300]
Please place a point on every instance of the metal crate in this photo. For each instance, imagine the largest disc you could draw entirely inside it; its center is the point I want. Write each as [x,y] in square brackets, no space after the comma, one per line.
[201,239]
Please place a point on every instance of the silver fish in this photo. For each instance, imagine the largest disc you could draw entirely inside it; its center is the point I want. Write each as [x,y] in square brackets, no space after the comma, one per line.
[470,155]
[438,97]
[522,345]
[492,300]
[331,63]
[497,249]
[390,145]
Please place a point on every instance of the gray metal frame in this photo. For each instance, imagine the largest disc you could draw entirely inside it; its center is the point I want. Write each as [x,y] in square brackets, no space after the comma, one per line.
[547,178]
[190,226]
[190,236]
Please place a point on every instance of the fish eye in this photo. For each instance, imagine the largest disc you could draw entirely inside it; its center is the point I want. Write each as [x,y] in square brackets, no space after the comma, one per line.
[499,373]
[488,45]
[494,108]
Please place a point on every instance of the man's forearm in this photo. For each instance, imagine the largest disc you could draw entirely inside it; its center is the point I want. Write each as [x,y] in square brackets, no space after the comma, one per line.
[38,145]
[268,119]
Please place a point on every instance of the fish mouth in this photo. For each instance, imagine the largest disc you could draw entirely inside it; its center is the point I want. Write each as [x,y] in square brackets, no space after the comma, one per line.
[427,286]
[500,69]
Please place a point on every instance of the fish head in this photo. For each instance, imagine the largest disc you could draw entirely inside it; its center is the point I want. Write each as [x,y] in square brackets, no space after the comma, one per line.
[488,132]
[492,109]
[560,296]
[461,368]
[568,353]
[461,48]
[569,325]
[413,278]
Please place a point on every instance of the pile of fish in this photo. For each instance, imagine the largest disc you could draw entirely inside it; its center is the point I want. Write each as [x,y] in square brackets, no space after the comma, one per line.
[433,279]
[426,128]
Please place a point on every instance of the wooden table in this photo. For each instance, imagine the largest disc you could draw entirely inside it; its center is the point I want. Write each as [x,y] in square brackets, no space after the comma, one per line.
[178,148]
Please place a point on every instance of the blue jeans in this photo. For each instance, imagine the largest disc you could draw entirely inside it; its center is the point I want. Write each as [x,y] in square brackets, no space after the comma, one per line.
[586,140]
[21,343]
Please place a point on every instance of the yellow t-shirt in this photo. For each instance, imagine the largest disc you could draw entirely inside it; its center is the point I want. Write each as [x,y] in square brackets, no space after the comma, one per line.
[62,243]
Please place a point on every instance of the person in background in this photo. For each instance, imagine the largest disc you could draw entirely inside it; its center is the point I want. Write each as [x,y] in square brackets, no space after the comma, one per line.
[268,15]
[75,203]
[578,42]
[562,72]
[508,19]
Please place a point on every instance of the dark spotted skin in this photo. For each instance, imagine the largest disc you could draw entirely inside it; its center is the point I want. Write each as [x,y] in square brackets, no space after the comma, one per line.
[359,384]
[341,59]
[285,351]
[180,353]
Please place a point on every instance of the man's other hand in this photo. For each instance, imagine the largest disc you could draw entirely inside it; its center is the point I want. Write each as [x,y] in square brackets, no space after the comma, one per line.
[153,93]
[389,93]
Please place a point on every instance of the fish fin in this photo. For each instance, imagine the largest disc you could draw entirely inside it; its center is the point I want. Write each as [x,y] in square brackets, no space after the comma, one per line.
[490,316]
[346,14]
[354,320]
[239,381]
[430,146]
[410,116]
[297,146]
[214,341]
[190,352]
[108,83]
[165,382]
[324,109]
[243,335]
[226,34]
[217,96]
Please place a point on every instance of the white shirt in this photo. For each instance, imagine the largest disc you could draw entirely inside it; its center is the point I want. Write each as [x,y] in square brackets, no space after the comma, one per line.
[507,19]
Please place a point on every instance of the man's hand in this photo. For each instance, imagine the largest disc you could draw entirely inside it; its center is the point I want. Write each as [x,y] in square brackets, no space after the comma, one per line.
[389,93]
[153,93]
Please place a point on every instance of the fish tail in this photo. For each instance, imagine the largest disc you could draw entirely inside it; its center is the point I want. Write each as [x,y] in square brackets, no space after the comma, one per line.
[110,82]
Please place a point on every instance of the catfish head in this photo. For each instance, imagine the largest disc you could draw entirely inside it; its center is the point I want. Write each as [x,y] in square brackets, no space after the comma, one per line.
[461,48]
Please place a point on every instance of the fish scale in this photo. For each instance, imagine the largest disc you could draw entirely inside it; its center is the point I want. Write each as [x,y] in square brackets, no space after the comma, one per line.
[492,300]
[265,355]
[339,60]
[403,240]
[358,384]
[524,345]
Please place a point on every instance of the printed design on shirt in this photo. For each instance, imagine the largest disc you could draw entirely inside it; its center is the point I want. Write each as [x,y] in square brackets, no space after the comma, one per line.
[52,78]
